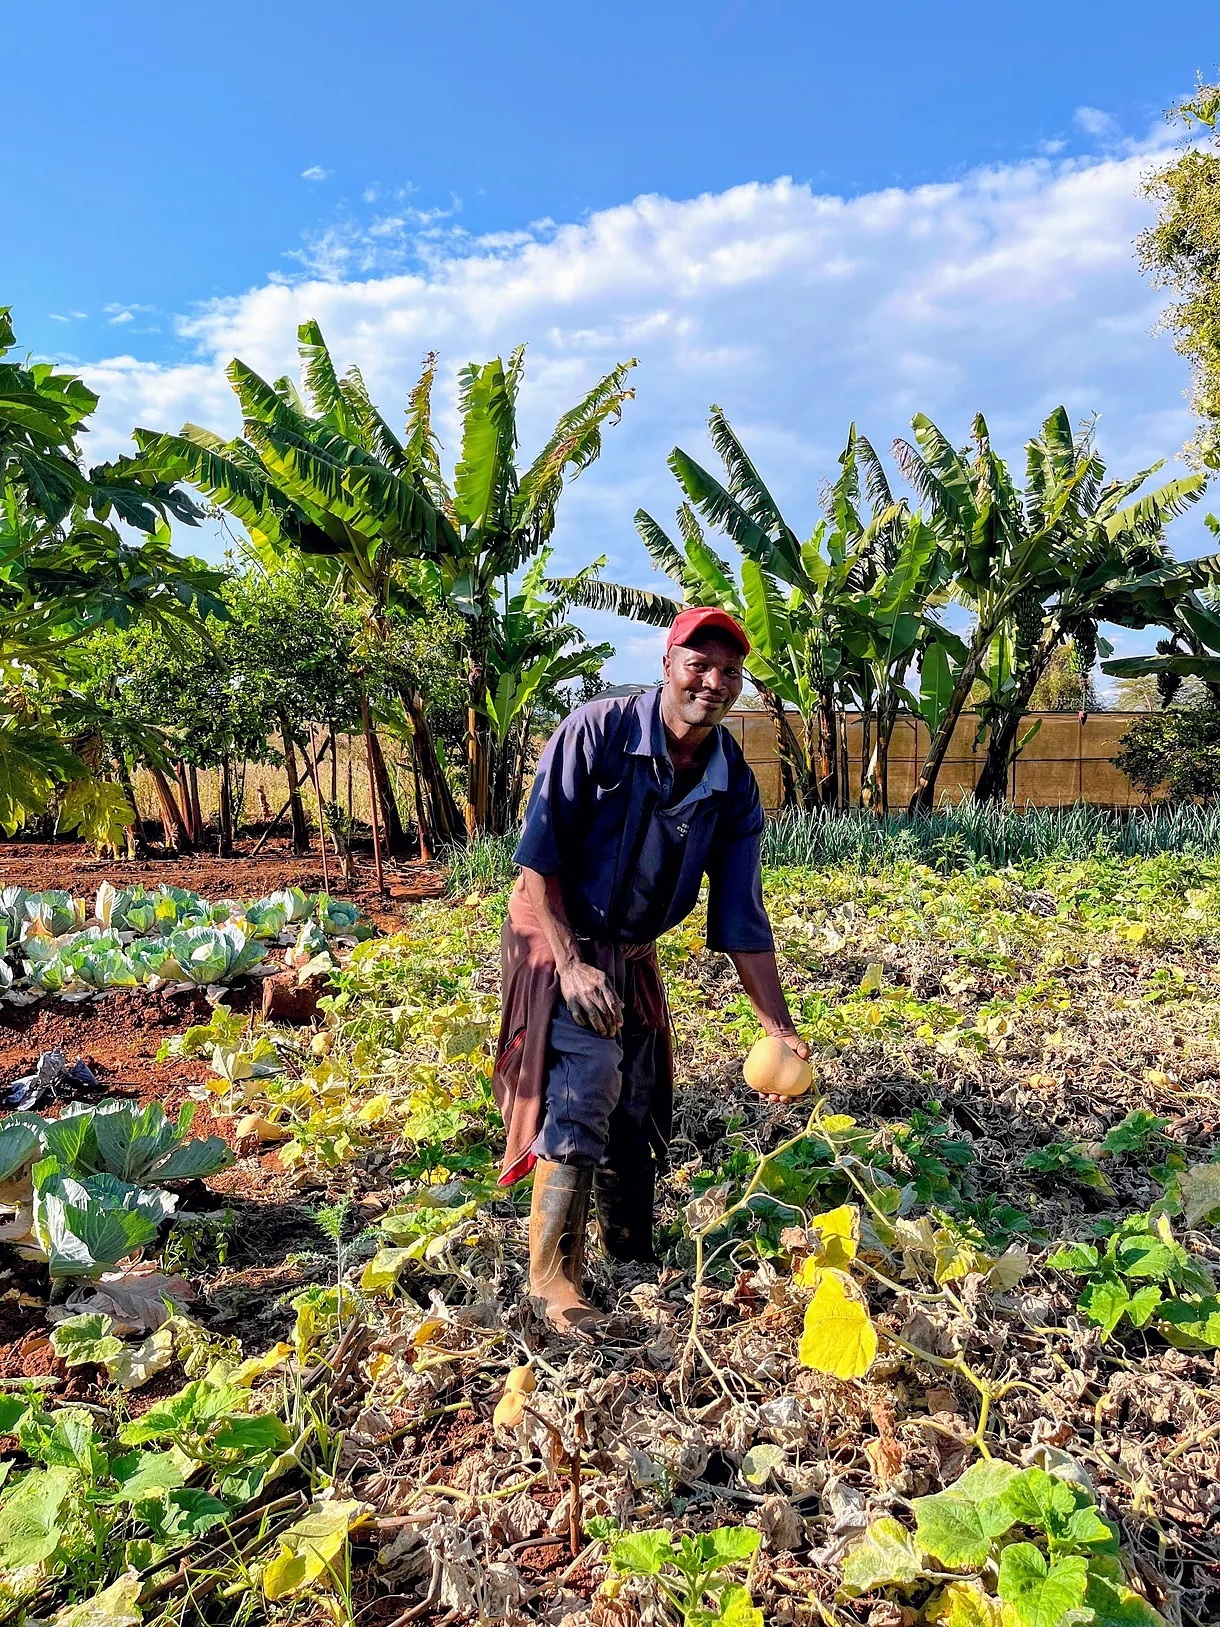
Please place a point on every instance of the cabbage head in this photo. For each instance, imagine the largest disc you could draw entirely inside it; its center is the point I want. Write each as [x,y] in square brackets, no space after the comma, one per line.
[52,912]
[214,954]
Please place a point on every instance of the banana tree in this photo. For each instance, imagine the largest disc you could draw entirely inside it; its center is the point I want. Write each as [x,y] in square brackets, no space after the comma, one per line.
[1117,542]
[830,620]
[502,517]
[533,651]
[1182,598]
[333,480]
[1011,547]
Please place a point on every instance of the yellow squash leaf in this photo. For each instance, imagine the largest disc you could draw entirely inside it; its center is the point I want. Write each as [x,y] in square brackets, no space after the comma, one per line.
[258,1366]
[115,1606]
[874,976]
[136,1364]
[838,1337]
[964,1604]
[384,1269]
[839,1230]
[311,1551]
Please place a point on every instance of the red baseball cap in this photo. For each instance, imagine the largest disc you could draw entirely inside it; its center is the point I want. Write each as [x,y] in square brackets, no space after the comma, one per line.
[705,619]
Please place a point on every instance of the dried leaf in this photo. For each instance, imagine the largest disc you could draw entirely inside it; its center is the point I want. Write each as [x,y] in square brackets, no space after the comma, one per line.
[1200,1192]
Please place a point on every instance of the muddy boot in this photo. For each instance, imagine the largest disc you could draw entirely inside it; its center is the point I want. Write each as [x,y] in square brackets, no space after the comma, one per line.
[559,1214]
[624,1199]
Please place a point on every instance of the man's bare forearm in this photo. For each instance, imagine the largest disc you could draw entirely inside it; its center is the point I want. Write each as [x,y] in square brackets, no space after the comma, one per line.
[590,996]
[759,976]
[546,898]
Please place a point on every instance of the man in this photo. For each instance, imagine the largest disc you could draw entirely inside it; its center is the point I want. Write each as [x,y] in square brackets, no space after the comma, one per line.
[635,801]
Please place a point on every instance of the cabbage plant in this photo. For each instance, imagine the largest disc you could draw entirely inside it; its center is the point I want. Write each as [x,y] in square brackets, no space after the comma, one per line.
[12,911]
[86,1226]
[338,917]
[84,960]
[138,1145]
[52,912]
[92,959]
[152,957]
[126,909]
[296,905]
[214,954]
[264,919]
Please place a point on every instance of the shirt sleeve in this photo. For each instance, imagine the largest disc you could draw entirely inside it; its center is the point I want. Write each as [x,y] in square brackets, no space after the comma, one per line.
[736,916]
[564,771]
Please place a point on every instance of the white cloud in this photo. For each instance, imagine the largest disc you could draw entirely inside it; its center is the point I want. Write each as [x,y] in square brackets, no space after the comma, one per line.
[1007,291]
[315,172]
[1096,123]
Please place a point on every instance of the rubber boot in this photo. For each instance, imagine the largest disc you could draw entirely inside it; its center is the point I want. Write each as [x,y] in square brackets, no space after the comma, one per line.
[559,1215]
[624,1197]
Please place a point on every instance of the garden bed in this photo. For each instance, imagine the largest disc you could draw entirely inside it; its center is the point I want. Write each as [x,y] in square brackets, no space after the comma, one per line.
[1030,1059]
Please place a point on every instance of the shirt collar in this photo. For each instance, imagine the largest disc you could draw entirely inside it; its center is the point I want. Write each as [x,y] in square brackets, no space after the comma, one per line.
[648,731]
[648,740]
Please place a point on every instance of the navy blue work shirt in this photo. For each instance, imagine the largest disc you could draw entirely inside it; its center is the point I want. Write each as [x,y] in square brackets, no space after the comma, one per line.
[629,866]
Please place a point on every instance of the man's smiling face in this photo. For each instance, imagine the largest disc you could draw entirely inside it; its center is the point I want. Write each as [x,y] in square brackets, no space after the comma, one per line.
[703,680]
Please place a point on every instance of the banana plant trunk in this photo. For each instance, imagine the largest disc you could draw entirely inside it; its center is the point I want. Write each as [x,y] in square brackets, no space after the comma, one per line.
[172,821]
[793,767]
[1002,738]
[828,750]
[397,842]
[440,819]
[924,797]
[866,751]
[879,770]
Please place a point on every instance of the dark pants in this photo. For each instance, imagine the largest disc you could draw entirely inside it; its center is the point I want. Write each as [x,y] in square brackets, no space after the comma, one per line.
[601,1093]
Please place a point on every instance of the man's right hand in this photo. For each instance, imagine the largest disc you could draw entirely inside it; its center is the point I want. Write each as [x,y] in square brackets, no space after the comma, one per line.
[591,998]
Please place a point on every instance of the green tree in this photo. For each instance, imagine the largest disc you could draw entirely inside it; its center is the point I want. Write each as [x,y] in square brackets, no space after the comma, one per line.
[65,569]
[1182,253]
[1179,749]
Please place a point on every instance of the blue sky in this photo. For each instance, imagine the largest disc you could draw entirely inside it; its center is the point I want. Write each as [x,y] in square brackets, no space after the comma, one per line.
[605,181]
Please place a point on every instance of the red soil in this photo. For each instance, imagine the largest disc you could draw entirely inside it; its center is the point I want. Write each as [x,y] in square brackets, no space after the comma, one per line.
[75,868]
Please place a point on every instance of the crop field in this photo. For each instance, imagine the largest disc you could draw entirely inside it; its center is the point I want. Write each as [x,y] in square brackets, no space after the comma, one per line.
[935,1344]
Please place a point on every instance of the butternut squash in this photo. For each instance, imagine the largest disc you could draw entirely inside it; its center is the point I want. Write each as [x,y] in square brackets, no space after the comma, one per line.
[773,1070]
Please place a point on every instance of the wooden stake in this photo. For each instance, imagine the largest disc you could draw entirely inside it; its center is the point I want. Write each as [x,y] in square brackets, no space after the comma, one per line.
[317,791]
[368,756]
